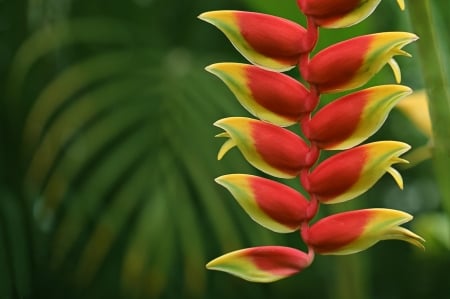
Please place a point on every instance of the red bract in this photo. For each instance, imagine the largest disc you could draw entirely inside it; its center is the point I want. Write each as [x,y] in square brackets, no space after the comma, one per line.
[339,13]
[263,264]
[271,204]
[352,172]
[271,149]
[270,96]
[349,120]
[269,41]
[353,231]
[272,36]
[352,63]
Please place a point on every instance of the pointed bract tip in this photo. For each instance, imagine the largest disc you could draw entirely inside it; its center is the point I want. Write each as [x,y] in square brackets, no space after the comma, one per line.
[398,146]
[218,123]
[222,135]
[396,176]
[403,234]
[210,68]
[209,15]
[203,16]
[220,180]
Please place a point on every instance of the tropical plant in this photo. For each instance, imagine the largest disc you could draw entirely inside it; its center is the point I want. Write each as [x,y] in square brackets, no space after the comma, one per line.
[274,45]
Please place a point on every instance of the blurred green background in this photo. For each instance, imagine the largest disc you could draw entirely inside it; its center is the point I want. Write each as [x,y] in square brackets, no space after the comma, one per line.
[107,160]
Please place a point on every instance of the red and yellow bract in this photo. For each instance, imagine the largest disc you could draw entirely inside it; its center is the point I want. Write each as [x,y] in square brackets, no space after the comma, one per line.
[354,231]
[352,63]
[350,173]
[284,158]
[268,95]
[265,40]
[264,263]
[273,205]
[348,121]
[339,13]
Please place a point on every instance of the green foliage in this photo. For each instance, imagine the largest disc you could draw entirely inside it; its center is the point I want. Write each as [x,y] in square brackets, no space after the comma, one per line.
[436,75]
[115,150]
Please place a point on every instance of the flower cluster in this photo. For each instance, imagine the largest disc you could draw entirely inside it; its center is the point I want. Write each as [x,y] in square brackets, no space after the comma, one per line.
[274,45]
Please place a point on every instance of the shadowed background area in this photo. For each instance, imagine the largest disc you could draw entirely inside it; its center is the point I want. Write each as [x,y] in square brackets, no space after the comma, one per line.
[108,155]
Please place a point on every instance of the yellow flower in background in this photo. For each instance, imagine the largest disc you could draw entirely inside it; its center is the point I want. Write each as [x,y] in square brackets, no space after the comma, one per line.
[415,107]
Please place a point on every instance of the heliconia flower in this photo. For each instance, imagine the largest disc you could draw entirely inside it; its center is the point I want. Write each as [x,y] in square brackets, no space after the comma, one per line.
[271,204]
[339,13]
[352,63]
[271,42]
[268,95]
[354,231]
[263,264]
[415,107]
[270,148]
[352,172]
[350,120]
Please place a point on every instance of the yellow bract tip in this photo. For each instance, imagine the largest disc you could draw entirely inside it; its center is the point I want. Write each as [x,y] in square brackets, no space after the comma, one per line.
[210,16]
[397,176]
[395,69]
[401,3]
[223,135]
[229,144]
[403,234]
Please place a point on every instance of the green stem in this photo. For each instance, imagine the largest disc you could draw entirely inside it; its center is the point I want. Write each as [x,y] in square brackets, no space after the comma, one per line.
[350,277]
[437,85]
[351,272]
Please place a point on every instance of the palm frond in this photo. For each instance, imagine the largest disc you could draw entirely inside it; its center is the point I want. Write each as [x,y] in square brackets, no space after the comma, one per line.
[120,157]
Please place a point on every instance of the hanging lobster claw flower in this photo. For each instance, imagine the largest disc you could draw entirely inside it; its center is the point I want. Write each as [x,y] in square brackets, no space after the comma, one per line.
[271,204]
[339,13]
[352,63]
[271,149]
[262,264]
[268,41]
[354,231]
[350,120]
[270,96]
[350,173]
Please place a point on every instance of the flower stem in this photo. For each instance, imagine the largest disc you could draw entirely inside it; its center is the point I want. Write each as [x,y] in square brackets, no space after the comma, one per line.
[437,86]
[350,277]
